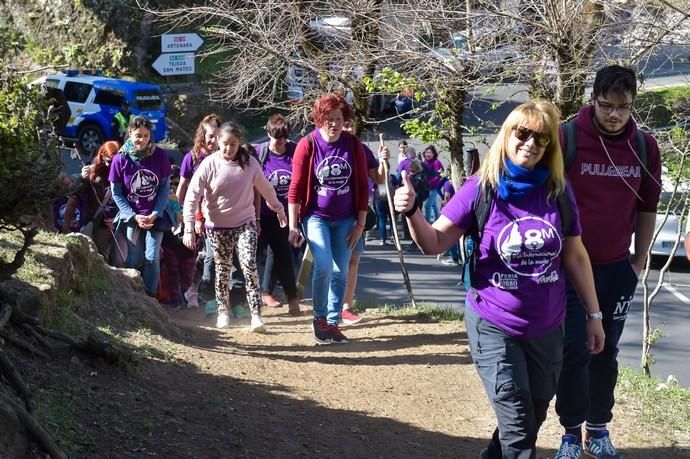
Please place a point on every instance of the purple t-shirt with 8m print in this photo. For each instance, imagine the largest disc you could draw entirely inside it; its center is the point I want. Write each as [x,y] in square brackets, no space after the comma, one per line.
[140,180]
[334,179]
[520,281]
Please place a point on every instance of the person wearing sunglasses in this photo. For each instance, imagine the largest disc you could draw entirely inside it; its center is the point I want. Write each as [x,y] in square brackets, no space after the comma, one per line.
[617,190]
[515,305]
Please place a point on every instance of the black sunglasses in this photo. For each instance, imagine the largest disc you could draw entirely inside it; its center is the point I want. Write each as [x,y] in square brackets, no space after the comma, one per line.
[540,138]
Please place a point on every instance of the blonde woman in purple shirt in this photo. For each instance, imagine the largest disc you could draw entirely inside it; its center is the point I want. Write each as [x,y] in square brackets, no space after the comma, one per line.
[515,306]
[224,186]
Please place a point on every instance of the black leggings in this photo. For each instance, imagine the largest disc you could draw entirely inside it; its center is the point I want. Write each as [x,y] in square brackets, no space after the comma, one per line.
[277,239]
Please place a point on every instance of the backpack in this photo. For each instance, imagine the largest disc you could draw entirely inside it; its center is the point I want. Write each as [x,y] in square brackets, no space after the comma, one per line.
[481,206]
[569,153]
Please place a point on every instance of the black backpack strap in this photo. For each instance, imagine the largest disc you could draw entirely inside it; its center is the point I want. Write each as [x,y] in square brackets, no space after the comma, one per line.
[565,209]
[481,206]
[568,130]
[263,153]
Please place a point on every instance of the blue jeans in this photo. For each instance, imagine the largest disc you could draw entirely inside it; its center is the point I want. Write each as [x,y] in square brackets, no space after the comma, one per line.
[143,250]
[329,247]
[585,390]
[431,212]
[382,217]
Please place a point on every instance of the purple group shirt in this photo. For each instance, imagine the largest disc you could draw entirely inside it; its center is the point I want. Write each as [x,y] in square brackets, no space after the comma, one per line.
[140,180]
[520,281]
[333,167]
[278,171]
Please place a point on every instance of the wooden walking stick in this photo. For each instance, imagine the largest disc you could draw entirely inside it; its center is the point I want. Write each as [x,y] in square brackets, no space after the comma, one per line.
[396,239]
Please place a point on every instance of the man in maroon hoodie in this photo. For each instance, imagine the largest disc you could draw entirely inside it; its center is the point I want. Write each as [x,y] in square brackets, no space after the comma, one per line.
[617,191]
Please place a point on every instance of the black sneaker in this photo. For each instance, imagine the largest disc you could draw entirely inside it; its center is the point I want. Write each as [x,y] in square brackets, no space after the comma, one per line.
[322,332]
[336,334]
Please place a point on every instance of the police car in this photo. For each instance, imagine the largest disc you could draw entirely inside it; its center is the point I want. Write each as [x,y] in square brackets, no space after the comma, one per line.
[94,100]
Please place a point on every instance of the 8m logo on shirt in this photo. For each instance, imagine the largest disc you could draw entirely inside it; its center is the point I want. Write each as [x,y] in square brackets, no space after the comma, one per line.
[527,246]
[333,173]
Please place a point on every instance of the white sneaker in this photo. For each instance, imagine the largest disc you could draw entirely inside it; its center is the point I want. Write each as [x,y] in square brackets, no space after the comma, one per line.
[223,320]
[257,325]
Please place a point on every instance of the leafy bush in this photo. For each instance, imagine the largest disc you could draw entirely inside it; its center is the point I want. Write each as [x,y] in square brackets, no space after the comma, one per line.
[29,160]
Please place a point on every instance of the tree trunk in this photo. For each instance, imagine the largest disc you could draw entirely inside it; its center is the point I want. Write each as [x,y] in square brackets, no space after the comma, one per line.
[364,37]
[455,99]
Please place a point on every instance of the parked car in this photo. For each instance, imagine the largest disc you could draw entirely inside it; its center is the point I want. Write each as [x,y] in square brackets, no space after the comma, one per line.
[663,244]
[94,100]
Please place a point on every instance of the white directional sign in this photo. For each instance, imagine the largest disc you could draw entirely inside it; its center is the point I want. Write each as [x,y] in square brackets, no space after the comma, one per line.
[180,42]
[175,64]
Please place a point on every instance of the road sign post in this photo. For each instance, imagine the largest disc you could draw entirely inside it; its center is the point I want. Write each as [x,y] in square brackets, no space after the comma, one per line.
[180,42]
[178,54]
[175,64]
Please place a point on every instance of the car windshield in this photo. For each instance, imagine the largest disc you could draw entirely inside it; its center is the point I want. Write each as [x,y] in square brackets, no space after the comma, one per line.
[149,99]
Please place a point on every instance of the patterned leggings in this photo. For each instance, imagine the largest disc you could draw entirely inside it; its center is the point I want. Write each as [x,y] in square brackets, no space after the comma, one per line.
[224,241]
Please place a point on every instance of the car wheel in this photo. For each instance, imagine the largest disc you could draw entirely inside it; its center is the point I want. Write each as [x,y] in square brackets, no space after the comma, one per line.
[90,137]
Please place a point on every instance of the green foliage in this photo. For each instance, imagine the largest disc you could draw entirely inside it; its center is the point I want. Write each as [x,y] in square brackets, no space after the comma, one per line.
[11,41]
[664,106]
[57,414]
[659,404]
[29,160]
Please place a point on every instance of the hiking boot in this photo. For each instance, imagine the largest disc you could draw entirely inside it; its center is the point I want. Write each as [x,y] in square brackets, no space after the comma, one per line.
[293,307]
[570,448]
[192,298]
[322,332]
[598,445]
[270,301]
[337,336]
[257,325]
[223,320]
[349,318]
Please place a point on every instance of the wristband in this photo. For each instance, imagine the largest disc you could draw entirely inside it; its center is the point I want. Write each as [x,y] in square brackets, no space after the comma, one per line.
[359,225]
[595,316]
[199,217]
[411,212]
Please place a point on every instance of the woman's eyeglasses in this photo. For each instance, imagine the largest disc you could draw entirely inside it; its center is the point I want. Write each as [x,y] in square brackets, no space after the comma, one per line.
[541,139]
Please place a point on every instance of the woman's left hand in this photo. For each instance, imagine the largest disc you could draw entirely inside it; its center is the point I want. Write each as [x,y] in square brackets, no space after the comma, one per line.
[282,218]
[384,153]
[355,235]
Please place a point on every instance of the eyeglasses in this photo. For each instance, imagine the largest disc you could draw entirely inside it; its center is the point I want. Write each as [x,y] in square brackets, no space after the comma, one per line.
[610,108]
[523,134]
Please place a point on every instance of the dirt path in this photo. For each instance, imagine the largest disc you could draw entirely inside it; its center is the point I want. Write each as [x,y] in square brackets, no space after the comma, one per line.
[401,389]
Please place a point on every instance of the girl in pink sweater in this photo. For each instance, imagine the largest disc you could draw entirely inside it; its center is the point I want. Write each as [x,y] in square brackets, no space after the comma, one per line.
[224,184]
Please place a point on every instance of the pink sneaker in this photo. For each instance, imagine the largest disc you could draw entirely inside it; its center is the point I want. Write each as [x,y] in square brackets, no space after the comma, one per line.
[349,318]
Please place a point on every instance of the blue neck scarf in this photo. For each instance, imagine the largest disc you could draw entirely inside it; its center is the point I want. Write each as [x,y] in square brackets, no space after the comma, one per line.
[517,181]
[128,149]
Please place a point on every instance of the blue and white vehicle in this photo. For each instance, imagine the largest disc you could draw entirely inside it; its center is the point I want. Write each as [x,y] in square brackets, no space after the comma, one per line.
[94,100]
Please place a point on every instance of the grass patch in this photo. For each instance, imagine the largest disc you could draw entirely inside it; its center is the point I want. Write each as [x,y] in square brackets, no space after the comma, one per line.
[666,410]
[56,414]
[664,106]
[423,312]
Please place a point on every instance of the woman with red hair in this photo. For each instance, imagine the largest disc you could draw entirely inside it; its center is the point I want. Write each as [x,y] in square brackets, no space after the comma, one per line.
[328,197]
[100,208]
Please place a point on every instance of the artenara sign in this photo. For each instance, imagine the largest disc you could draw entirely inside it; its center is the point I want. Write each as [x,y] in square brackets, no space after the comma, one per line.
[180,42]
[175,64]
